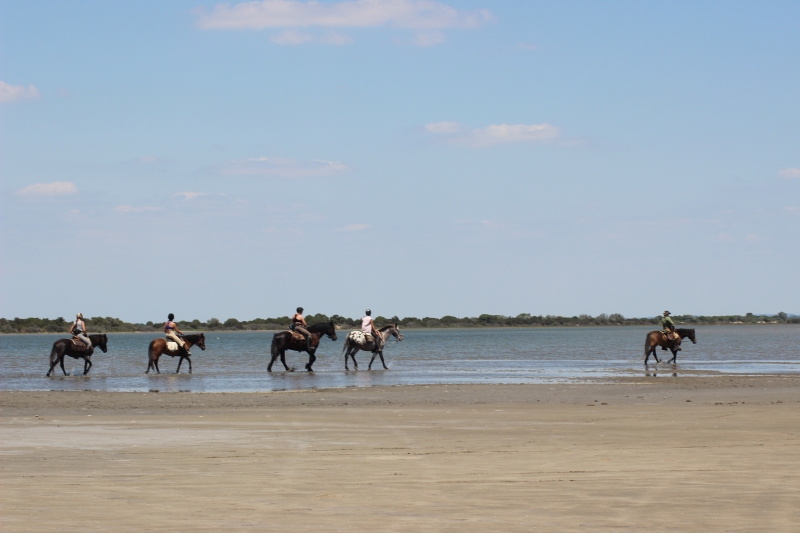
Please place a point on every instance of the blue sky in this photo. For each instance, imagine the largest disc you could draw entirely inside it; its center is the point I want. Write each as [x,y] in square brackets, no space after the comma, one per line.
[420,158]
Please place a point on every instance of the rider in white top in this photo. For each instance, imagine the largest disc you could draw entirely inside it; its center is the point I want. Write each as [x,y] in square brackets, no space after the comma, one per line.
[368,327]
[78,329]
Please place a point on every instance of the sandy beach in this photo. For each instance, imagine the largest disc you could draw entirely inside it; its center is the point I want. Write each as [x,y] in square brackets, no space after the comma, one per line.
[658,454]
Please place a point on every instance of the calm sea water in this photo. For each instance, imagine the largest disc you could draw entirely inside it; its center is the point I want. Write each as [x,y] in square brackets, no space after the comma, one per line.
[238,361]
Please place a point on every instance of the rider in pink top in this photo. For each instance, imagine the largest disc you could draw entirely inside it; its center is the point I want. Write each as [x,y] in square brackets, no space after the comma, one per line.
[368,327]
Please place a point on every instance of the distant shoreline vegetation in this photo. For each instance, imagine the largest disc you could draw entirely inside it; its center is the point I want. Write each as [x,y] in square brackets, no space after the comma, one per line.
[115,325]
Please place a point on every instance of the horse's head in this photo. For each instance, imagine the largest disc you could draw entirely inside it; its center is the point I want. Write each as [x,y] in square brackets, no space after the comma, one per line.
[201,342]
[331,333]
[691,336]
[102,342]
[396,333]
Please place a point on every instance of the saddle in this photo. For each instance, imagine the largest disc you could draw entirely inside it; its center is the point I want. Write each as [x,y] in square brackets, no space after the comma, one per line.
[172,346]
[78,345]
[297,337]
[361,338]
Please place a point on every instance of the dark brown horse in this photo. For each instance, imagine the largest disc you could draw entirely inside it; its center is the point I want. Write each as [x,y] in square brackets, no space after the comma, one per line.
[352,345]
[158,347]
[655,339]
[289,340]
[69,347]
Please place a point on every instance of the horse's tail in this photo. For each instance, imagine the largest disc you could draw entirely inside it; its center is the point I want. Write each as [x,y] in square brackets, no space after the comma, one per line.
[273,350]
[346,343]
[647,346]
[151,350]
[54,353]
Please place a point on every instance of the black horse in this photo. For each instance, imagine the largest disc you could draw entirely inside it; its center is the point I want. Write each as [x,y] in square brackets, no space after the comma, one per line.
[654,341]
[64,347]
[289,340]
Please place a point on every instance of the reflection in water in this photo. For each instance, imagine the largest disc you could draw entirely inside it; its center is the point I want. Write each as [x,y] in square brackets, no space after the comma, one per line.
[237,361]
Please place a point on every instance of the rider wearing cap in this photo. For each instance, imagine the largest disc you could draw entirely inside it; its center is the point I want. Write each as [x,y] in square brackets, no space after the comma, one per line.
[78,329]
[299,325]
[172,332]
[669,331]
[368,328]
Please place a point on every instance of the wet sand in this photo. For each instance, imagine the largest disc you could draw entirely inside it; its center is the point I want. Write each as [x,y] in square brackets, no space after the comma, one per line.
[658,454]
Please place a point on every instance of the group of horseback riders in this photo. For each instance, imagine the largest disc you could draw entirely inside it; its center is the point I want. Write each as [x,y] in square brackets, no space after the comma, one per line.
[367,328]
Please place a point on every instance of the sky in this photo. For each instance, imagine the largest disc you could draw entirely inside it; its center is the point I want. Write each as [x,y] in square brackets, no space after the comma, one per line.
[418,157]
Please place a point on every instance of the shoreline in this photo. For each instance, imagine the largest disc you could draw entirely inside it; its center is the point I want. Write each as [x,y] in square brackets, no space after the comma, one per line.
[458,328]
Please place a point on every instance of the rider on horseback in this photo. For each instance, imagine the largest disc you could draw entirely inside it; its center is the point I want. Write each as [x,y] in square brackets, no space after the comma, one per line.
[669,332]
[78,329]
[368,328]
[299,325]
[172,333]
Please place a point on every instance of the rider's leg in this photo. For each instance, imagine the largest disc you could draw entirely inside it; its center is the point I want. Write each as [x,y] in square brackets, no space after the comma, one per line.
[304,332]
[84,339]
[180,342]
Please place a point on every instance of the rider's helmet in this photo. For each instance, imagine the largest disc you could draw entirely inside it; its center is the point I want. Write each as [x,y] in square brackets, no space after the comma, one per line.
[171,316]
[79,315]
[299,309]
[368,312]
[666,313]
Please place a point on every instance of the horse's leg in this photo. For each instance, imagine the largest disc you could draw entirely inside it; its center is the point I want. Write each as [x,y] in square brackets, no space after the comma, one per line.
[52,366]
[283,360]
[61,360]
[311,359]
[155,362]
[178,370]
[346,355]
[355,363]
[189,360]
[87,365]
[382,361]
[374,354]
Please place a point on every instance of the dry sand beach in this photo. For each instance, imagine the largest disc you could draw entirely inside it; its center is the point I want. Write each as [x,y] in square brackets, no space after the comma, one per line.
[690,454]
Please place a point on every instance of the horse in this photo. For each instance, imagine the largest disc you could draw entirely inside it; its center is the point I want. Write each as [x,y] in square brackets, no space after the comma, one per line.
[64,347]
[158,347]
[289,340]
[655,339]
[352,345]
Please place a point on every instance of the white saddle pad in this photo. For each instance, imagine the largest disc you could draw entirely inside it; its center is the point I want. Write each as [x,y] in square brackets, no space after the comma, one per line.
[359,337]
[172,346]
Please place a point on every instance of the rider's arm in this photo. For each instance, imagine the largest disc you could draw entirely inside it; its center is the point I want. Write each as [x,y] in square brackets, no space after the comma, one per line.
[179,332]
[303,320]
[72,328]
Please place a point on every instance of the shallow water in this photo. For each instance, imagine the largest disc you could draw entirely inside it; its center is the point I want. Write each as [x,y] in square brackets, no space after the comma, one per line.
[238,361]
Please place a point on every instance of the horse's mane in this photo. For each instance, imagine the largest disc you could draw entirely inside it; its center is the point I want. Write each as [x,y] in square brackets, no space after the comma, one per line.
[687,330]
[388,326]
[194,337]
[319,327]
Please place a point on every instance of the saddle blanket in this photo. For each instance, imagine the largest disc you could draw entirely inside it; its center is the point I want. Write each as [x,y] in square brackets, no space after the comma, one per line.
[78,345]
[172,346]
[360,338]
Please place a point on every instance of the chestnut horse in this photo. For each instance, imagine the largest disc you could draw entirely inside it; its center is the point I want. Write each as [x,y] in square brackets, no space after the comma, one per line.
[655,339]
[351,347]
[289,340]
[64,347]
[158,347]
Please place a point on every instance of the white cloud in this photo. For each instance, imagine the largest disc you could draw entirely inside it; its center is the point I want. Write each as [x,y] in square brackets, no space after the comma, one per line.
[12,93]
[355,227]
[56,188]
[189,195]
[444,127]
[413,14]
[282,168]
[497,133]
[292,37]
[789,173]
[134,209]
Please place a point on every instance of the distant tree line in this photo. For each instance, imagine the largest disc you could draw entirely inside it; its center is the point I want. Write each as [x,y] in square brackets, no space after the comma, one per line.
[98,324]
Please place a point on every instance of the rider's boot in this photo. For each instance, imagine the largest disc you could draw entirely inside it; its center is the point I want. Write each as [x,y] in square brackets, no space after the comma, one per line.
[308,344]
